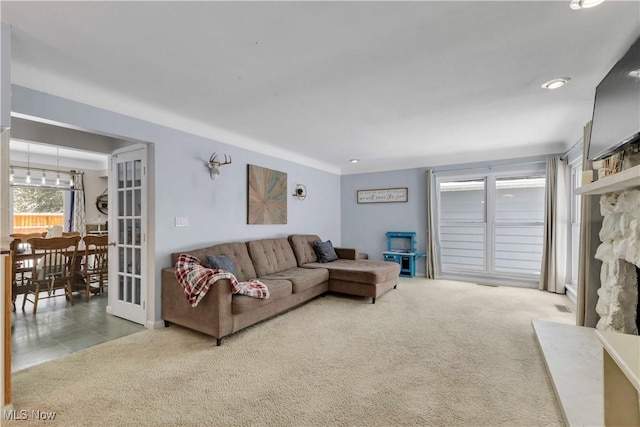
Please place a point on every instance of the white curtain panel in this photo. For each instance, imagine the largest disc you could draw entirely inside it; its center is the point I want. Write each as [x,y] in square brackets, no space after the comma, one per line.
[554,253]
[431,227]
[79,211]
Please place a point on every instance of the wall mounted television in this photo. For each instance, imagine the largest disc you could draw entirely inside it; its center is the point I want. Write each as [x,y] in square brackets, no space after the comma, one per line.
[616,111]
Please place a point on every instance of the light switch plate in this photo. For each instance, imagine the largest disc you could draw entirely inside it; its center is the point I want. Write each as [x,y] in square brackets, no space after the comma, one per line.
[181,221]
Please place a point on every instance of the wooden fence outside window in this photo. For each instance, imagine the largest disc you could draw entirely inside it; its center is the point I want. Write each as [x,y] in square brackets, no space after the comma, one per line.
[36,222]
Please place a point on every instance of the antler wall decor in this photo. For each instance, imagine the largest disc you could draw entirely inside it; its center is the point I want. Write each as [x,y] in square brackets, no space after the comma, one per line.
[214,166]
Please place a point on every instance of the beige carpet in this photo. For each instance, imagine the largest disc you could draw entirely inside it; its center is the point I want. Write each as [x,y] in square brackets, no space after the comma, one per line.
[433,353]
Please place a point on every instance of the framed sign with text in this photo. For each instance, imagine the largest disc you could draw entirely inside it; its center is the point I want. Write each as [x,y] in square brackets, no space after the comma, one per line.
[383,195]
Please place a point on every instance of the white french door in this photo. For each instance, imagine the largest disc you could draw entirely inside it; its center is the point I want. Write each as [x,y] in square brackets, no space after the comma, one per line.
[127,234]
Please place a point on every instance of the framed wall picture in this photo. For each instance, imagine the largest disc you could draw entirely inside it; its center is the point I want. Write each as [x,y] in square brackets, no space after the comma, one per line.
[266,196]
[383,195]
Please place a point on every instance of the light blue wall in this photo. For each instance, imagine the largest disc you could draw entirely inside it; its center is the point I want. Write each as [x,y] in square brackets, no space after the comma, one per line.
[216,210]
[364,225]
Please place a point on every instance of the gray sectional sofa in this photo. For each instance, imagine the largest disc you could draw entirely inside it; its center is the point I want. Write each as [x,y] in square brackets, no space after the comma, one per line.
[290,269]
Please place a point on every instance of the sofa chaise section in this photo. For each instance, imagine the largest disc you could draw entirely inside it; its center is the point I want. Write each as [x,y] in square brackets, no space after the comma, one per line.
[348,274]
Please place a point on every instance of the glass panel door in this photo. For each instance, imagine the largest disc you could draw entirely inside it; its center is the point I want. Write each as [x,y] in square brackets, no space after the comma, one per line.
[519,225]
[463,226]
[128,300]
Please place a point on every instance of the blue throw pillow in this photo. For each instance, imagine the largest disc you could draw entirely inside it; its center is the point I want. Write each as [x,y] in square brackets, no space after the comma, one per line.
[221,262]
[325,251]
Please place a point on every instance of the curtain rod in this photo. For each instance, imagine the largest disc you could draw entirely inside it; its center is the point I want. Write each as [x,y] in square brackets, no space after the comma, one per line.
[574,146]
[487,167]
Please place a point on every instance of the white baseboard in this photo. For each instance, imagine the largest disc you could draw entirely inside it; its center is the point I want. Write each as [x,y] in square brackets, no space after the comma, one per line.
[155,325]
[515,282]
[571,293]
[149,325]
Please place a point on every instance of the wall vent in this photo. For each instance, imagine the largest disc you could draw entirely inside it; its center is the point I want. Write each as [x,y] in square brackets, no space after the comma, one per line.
[562,308]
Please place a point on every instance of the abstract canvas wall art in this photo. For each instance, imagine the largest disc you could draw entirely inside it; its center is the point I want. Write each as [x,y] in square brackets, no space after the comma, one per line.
[266,196]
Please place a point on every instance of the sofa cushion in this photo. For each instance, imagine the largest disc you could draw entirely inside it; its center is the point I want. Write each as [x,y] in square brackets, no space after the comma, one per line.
[238,253]
[324,251]
[277,289]
[271,256]
[301,245]
[301,278]
[361,271]
[221,262]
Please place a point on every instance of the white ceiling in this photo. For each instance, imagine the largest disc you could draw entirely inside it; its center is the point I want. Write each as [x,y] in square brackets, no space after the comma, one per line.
[395,84]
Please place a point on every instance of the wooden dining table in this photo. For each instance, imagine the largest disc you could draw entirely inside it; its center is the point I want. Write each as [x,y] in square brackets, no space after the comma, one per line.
[26,260]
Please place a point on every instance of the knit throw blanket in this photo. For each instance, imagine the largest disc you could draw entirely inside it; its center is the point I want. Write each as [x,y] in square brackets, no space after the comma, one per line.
[196,279]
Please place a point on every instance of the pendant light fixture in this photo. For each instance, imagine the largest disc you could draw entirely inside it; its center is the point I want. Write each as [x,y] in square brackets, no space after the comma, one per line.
[28,178]
[57,166]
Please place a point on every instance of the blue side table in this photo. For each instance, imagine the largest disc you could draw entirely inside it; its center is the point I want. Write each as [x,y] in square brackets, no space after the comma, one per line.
[401,249]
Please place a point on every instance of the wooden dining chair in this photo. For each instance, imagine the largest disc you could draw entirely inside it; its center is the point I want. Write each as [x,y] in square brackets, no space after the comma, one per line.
[26,236]
[70,233]
[20,270]
[21,263]
[95,264]
[53,270]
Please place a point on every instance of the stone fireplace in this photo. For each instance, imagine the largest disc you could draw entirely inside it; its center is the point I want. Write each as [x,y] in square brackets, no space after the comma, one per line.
[620,255]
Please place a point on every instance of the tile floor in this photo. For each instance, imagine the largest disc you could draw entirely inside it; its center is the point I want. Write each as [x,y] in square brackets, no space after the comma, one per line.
[59,329]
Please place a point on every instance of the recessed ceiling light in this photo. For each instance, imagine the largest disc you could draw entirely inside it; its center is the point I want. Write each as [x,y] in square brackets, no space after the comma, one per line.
[635,73]
[584,4]
[354,160]
[555,83]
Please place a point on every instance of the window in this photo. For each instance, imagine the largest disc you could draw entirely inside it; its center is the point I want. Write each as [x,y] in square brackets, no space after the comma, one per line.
[574,205]
[576,212]
[36,209]
[492,226]
[40,198]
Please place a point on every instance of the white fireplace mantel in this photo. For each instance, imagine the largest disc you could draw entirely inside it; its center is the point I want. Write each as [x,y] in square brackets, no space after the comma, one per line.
[619,249]
[625,180]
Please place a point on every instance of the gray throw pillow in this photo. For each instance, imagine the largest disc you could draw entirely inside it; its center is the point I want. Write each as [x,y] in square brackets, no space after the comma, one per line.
[325,251]
[221,262]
